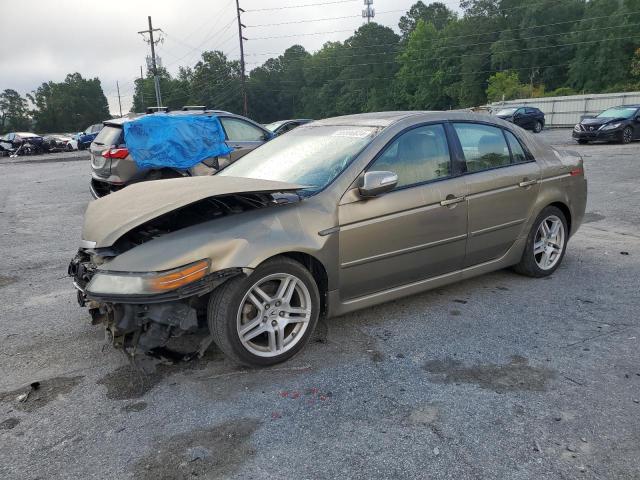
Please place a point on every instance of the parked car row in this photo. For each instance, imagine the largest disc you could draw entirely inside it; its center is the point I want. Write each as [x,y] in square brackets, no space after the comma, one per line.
[619,124]
[27,143]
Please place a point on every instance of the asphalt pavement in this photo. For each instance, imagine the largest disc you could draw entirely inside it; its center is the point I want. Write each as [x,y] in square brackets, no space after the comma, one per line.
[499,377]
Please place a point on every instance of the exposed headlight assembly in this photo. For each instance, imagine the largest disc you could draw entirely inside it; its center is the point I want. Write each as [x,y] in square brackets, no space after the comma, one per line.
[611,126]
[152,283]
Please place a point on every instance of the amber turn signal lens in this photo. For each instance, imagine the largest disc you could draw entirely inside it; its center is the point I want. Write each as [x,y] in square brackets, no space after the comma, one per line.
[179,278]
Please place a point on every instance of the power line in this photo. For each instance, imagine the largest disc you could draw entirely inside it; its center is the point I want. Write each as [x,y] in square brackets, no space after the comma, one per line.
[396,44]
[467,45]
[318,19]
[299,6]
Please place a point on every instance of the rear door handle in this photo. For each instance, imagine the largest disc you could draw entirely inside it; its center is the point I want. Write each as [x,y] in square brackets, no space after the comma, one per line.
[451,200]
[527,183]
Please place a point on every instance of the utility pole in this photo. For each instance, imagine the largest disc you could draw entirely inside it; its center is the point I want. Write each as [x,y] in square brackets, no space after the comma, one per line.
[142,86]
[119,102]
[245,104]
[368,12]
[154,67]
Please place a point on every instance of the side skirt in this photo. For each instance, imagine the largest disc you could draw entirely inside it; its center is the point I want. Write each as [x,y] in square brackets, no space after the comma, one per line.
[337,306]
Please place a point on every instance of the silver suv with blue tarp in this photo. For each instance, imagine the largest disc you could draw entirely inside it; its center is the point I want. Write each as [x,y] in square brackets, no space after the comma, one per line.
[163,144]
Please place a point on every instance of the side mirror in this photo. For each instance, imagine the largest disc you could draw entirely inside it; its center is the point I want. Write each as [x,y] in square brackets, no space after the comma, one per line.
[377,183]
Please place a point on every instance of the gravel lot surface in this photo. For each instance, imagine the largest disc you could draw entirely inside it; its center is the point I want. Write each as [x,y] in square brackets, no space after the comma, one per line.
[500,377]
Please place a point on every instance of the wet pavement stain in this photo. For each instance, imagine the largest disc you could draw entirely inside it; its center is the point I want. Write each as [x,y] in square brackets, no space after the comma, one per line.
[5,281]
[9,423]
[134,407]
[591,217]
[47,391]
[514,376]
[455,313]
[216,452]
[128,382]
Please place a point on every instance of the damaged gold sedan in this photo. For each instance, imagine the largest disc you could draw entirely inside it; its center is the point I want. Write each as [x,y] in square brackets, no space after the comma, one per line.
[337,215]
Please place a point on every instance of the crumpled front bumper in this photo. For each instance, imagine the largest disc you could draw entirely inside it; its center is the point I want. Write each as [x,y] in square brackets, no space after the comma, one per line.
[140,323]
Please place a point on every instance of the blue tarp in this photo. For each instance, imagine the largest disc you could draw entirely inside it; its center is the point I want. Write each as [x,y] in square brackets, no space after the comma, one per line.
[174,141]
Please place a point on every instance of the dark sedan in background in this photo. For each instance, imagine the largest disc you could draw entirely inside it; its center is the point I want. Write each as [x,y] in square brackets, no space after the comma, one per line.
[283,126]
[20,143]
[621,124]
[529,118]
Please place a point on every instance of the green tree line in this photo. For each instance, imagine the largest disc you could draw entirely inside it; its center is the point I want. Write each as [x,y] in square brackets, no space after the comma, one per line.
[67,106]
[441,59]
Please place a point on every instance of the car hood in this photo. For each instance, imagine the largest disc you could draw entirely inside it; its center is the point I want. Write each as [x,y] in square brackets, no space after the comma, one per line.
[109,218]
[592,122]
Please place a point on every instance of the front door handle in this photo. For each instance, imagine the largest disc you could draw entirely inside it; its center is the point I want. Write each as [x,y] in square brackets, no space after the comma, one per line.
[451,200]
[527,183]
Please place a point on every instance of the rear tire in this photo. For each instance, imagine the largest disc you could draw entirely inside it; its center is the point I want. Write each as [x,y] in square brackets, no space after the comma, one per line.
[546,244]
[537,127]
[267,317]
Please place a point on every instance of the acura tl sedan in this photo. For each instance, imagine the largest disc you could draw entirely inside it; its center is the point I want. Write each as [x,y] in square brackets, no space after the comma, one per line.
[337,215]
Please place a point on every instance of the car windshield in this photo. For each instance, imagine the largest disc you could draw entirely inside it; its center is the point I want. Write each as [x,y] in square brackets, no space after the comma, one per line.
[618,112]
[309,156]
[506,112]
[273,126]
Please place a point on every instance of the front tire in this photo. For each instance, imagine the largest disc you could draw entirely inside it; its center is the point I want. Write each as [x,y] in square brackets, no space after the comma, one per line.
[582,141]
[627,135]
[546,244]
[267,317]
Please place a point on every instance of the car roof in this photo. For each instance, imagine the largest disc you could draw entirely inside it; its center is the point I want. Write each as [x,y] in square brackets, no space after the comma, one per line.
[122,120]
[386,119]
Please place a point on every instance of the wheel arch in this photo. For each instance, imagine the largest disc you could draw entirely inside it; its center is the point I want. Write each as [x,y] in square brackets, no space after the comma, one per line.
[317,270]
[565,211]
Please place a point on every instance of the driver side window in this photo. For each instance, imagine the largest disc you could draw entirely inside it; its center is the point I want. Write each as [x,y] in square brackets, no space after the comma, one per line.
[417,156]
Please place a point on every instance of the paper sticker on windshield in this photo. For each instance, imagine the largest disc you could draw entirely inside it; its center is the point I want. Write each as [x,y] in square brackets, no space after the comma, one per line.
[351,133]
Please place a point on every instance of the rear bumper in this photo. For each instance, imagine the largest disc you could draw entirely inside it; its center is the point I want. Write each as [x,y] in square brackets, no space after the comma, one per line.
[100,188]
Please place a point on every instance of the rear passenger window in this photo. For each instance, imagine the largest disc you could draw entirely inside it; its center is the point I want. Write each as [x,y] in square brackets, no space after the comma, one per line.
[241,131]
[484,146]
[517,152]
[417,156]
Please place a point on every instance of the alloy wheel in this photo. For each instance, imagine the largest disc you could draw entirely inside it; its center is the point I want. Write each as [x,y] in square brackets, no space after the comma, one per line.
[627,135]
[549,242]
[274,315]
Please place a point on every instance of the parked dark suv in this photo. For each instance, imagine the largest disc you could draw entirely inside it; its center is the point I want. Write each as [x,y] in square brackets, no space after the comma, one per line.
[112,168]
[529,118]
[620,124]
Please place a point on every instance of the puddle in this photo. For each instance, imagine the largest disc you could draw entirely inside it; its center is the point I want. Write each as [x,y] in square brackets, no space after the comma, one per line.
[48,390]
[216,452]
[134,407]
[5,281]
[514,376]
[9,423]
[591,217]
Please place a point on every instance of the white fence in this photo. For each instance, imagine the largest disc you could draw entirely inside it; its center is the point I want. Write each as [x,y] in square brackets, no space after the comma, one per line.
[567,111]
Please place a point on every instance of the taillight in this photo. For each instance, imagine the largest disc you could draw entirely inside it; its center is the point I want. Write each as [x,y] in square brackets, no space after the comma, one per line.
[116,153]
[576,171]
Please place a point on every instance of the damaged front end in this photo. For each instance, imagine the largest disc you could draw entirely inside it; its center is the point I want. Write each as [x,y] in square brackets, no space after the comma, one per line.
[165,305]
[144,227]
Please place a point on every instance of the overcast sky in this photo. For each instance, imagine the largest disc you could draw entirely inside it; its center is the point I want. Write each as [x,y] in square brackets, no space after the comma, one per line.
[100,38]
